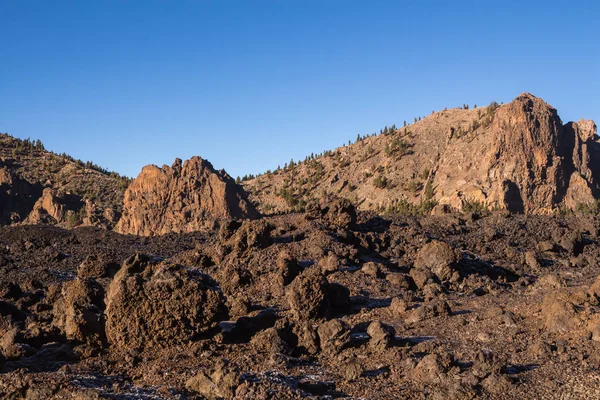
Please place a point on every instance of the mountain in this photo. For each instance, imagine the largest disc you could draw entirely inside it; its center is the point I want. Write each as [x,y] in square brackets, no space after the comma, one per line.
[38,186]
[185,197]
[518,156]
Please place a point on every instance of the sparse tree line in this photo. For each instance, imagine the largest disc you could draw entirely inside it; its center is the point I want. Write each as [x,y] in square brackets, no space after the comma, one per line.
[29,147]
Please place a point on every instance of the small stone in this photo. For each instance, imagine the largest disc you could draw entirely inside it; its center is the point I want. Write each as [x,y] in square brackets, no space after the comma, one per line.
[484,337]
[372,269]
[333,336]
[398,279]
[421,276]
[510,320]
[531,261]
[398,305]
[545,246]
[429,311]
[352,369]
[553,281]
[330,263]
[381,335]
[595,334]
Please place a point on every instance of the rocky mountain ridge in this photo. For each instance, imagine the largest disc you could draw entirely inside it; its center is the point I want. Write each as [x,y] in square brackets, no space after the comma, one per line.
[517,156]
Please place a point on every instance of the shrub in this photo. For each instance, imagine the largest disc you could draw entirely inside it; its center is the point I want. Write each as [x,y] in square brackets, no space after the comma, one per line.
[380,182]
[397,147]
[413,186]
[429,192]
[403,208]
[470,206]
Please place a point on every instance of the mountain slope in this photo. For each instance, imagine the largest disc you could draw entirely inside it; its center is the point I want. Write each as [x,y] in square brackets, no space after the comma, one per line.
[38,186]
[518,156]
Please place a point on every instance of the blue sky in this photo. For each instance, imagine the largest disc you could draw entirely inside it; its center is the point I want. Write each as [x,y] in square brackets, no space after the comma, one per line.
[250,84]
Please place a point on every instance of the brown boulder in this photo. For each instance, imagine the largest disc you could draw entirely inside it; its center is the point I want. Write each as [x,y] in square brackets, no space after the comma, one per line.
[153,303]
[433,369]
[334,336]
[311,296]
[78,312]
[438,257]
[220,383]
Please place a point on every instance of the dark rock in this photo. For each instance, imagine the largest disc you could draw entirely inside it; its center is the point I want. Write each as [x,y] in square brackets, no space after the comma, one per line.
[146,295]
[381,335]
[79,311]
[287,268]
[429,311]
[333,336]
[438,257]
[220,383]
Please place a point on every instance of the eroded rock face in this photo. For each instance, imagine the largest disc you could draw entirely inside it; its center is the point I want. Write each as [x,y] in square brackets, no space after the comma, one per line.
[525,161]
[152,303]
[54,207]
[185,197]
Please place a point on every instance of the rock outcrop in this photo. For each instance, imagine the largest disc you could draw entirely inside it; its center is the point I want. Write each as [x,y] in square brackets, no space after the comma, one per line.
[526,161]
[17,197]
[185,197]
[41,187]
[54,207]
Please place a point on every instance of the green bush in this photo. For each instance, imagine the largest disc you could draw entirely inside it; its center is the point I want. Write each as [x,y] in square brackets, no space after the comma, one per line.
[403,208]
[380,182]
[470,206]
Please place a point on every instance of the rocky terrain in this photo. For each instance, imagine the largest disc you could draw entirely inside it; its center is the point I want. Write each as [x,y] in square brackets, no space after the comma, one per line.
[518,156]
[456,257]
[323,304]
[38,186]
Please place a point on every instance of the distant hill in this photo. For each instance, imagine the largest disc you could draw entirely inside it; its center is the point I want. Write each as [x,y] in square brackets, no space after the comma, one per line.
[518,156]
[38,186]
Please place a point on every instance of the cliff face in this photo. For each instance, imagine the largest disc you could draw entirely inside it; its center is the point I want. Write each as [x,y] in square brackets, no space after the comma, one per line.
[525,161]
[517,156]
[185,197]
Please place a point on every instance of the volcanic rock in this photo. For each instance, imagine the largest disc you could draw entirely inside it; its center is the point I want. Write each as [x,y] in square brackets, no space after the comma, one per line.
[79,311]
[439,257]
[153,303]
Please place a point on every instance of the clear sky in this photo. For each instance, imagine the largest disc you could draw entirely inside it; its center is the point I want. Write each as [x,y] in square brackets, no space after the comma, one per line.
[249,84]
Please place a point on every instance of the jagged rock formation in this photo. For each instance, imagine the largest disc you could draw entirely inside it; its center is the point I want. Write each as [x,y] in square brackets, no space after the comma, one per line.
[525,161]
[517,156]
[185,197]
[54,207]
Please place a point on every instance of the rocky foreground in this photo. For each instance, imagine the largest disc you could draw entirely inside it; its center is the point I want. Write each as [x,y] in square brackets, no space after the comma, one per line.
[322,304]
